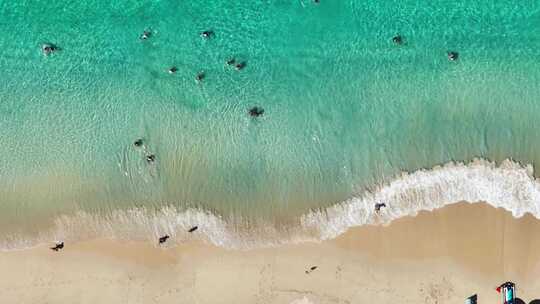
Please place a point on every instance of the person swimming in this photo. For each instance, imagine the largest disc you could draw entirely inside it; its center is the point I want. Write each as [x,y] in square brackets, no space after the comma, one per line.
[58,246]
[138,143]
[398,39]
[145,35]
[207,34]
[192,229]
[173,70]
[453,56]
[49,48]
[163,239]
[256,111]
[231,61]
[240,65]
[151,158]
[200,76]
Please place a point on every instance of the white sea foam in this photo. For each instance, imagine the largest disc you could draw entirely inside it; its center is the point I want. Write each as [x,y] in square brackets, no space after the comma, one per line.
[508,185]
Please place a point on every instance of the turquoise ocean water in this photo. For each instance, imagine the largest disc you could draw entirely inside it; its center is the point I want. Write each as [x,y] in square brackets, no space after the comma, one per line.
[346,109]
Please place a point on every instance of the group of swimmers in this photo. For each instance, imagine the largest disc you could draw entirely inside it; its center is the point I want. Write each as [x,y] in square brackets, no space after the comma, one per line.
[208,34]
[49,48]
[452,55]
[201,75]
[150,158]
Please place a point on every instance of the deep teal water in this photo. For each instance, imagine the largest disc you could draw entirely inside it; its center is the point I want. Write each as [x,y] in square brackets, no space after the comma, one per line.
[345,108]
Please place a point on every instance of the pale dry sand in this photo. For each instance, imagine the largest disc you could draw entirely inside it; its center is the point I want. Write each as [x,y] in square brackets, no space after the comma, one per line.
[437,257]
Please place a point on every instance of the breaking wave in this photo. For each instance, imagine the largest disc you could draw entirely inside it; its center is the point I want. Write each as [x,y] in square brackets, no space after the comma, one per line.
[509,185]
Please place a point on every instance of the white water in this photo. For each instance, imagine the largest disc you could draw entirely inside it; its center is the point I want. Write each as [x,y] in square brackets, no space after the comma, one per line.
[509,185]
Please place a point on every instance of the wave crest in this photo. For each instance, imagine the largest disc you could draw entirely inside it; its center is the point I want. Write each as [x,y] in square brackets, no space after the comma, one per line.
[510,185]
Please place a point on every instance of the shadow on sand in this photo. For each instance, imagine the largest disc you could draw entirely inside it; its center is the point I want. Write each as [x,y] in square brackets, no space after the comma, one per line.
[520,301]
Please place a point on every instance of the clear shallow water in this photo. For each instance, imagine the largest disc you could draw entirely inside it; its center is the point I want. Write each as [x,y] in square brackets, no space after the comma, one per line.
[345,108]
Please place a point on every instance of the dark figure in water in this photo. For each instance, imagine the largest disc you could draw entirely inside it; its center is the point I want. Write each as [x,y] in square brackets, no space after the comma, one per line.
[240,65]
[200,76]
[192,229]
[145,35]
[173,70]
[397,40]
[317,1]
[151,158]
[163,239]
[256,111]
[138,143]
[207,34]
[58,246]
[378,206]
[231,61]
[453,56]
[49,48]
[311,269]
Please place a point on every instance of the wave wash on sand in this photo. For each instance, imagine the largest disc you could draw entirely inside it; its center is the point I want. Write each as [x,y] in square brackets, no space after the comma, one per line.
[508,185]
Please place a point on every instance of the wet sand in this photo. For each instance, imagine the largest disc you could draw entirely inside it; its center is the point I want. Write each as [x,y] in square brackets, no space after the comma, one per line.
[436,257]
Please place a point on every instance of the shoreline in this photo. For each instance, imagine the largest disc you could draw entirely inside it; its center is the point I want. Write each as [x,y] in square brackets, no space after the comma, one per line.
[441,256]
[508,184]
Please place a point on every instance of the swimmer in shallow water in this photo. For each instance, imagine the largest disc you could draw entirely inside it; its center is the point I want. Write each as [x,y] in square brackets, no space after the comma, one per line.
[207,34]
[240,65]
[398,40]
[256,111]
[453,56]
[138,143]
[173,70]
[231,61]
[200,76]
[49,48]
[145,35]
[151,158]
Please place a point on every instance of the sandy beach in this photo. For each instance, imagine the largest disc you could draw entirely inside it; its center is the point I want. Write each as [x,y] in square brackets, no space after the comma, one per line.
[436,257]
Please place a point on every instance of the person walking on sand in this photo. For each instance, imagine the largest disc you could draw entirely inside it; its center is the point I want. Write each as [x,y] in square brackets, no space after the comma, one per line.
[58,246]
[378,207]
[163,239]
